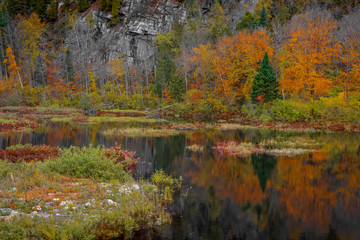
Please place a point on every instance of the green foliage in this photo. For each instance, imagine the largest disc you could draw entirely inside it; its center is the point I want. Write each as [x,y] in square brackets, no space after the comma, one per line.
[217,23]
[40,8]
[29,227]
[176,86]
[12,99]
[87,162]
[168,47]
[65,5]
[248,22]
[86,102]
[289,111]
[83,5]
[16,6]
[52,11]
[263,21]
[265,86]
[166,185]
[115,12]
[3,20]
[69,67]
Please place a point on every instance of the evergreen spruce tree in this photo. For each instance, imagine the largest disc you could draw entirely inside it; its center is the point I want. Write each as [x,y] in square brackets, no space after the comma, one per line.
[65,5]
[115,12]
[248,21]
[265,86]
[102,5]
[52,11]
[40,7]
[83,5]
[263,21]
[3,20]
[69,67]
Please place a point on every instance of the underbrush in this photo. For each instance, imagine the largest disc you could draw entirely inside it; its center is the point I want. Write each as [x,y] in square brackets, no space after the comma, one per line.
[325,109]
[87,163]
[83,193]
[28,153]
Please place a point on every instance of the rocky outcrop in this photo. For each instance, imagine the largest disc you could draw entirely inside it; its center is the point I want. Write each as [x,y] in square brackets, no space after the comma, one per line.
[140,21]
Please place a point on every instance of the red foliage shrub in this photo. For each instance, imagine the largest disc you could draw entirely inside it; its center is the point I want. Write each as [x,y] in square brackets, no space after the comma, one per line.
[125,157]
[16,126]
[28,154]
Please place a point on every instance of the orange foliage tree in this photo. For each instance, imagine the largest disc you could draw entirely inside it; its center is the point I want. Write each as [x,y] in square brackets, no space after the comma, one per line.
[307,56]
[237,61]
[14,73]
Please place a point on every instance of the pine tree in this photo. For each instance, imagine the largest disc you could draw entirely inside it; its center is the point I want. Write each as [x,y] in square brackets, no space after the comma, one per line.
[248,22]
[52,11]
[263,21]
[265,86]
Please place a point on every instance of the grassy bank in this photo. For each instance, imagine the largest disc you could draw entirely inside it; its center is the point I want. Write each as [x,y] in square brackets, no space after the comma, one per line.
[79,193]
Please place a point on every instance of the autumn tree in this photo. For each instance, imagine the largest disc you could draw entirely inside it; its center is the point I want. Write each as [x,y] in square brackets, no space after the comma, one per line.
[306,58]
[204,71]
[265,87]
[13,69]
[31,31]
[118,72]
[349,37]
[237,60]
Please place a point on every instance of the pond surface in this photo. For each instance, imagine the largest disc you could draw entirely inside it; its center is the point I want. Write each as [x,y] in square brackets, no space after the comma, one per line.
[309,196]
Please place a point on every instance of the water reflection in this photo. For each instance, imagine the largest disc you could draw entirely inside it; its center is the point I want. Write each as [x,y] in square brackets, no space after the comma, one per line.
[309,196]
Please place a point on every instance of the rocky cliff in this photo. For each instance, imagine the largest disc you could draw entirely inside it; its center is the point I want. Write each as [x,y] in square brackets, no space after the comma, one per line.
[140,21]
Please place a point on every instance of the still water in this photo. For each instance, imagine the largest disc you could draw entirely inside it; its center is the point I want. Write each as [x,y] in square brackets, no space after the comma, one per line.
[309,196]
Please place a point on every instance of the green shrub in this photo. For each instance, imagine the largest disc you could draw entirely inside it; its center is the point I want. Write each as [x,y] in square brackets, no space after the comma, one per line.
[289,111]
[86,102]
[87,162]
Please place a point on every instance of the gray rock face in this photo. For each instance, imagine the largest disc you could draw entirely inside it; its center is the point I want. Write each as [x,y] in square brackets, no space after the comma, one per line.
[140,21]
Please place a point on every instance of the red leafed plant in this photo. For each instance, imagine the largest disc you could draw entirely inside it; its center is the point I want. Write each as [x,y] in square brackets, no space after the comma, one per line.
[260,98]
[125,157]
[29,153]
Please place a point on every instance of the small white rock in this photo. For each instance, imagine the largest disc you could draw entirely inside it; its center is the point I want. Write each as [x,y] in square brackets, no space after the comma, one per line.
[111,202]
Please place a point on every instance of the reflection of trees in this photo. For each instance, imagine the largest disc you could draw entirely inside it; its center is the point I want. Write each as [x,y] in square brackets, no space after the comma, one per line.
[263,166]
[305,193]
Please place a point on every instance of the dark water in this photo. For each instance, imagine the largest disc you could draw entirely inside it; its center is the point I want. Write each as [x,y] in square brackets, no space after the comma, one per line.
[309,196]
